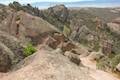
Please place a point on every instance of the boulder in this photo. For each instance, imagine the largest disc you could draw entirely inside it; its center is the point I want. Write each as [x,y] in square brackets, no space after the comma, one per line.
[118,67]
[6,57]
[68,46]
[51,42]
[80,51]
[73,57]
[59,37]
[95,56]
[114,27]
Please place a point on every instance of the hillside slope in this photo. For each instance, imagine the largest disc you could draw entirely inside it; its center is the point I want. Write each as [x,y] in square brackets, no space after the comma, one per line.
[48,65]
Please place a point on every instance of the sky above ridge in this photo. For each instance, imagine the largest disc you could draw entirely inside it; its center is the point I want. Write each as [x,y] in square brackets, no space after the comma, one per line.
[78,2]
[33,1]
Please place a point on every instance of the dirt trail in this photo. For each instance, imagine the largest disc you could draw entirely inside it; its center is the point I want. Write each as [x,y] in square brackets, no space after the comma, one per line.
[95,73]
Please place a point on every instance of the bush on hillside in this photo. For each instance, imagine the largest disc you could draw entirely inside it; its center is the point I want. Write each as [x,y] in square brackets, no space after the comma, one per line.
[29,50]
[109,63]
[115,61]
[66,31]
[103,64]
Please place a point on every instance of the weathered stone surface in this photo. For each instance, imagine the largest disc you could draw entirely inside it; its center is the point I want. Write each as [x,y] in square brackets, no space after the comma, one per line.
[73,57]
[13,44]
[118,67]
[6,57]
[95,56]
[26,27]
[60,11]
[11,51]
[56,15]
[44,65]
[68,46]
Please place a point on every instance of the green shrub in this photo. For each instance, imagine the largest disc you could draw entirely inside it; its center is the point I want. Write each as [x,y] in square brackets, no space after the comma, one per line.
[29,50]
[96,46]
[66,31]
[108,63]
[103,64]
[115,61]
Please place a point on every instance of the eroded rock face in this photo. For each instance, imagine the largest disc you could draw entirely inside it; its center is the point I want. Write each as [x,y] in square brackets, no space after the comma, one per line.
[13,44]
[68,46]
[95,56]
[5,58]
[5,62]
[59,11]
[56,15]
[118,67]
[26,27]
[11,51]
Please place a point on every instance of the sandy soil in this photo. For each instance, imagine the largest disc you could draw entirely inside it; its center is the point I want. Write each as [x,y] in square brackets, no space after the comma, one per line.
[95,73]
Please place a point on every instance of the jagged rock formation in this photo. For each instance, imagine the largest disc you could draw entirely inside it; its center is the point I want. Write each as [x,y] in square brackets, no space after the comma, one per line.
[28,8]
[57,15]
[26,27]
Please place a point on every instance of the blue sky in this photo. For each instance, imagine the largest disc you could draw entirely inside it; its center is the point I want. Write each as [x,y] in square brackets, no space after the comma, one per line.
[33,1]
[77,4]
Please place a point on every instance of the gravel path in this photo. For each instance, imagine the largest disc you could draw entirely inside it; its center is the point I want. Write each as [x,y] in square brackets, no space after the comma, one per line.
[95,73]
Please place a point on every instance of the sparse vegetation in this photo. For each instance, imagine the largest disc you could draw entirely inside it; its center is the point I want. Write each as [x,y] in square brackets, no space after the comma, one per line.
[109,63]
[115,61]
[103,64]
[29,50]
[66,31]
[96,46]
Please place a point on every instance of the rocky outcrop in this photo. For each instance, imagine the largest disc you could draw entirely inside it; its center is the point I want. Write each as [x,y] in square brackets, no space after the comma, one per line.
[118,67]
[45,65]
[57,15]
[13,44]
[73,57]
[11,51]
[5,58]
[27,8]
[114,27]
[94,56]
[26,27]
[68,46]
[60,12]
